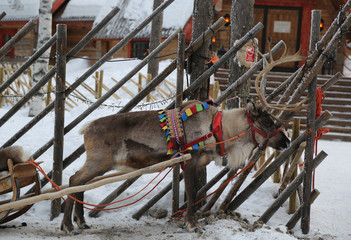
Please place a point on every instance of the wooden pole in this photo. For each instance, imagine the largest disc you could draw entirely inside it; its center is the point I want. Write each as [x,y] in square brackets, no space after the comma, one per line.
[2,77]
[148,79]
[297,215]
[2,15]
[276,175]
[178,103]
[292,187]
[294,163]
[61,47]
[48,92]
[264,165]
[260,179]
[83,188]
[311,130]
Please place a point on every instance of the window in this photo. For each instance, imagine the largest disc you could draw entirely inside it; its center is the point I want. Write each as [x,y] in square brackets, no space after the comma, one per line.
[140,49]
[5,36]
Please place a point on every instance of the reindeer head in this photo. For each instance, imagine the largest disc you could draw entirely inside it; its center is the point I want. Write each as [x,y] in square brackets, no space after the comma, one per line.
[264,130]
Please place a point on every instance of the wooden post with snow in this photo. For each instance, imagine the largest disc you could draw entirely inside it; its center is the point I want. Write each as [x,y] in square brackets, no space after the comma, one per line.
[61,47]
[310,130]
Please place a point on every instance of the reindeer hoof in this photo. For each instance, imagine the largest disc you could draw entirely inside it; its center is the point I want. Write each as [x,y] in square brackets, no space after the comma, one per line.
[193,227]
[76,232]
[81,223]
[84,226]
[67,229]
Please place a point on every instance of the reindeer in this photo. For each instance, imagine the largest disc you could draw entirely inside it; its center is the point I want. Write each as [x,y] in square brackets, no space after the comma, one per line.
[134,140]
[15,153]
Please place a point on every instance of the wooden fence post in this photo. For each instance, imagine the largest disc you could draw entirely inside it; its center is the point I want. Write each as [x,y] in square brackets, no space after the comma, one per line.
[2,77]
[140,81]
[61,47]
[148,79]
[98,83]
[310,130]
[276,175]
[295,134]
[178,103]
[48,92]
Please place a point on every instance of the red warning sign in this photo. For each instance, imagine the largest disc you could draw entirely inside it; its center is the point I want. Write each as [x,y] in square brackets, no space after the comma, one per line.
[250,54]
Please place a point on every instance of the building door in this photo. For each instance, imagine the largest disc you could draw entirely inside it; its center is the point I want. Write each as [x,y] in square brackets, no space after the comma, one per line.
[5,36]
[280,24]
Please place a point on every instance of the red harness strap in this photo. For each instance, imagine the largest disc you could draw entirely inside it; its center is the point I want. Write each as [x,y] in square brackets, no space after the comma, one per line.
[216,132]
[217,123]
[254,129]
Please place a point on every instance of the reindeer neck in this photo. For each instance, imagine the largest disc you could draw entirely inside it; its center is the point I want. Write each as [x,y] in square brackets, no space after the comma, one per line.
[234,122]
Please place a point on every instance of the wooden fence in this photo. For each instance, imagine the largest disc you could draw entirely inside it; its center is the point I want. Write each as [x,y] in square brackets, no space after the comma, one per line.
[337,100]
[310,163]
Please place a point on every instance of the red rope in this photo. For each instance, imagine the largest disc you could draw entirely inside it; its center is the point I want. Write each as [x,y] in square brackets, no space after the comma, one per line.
[320,96]
[57,188]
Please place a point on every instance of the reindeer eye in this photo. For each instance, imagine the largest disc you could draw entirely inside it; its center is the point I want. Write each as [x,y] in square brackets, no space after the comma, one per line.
[268,122]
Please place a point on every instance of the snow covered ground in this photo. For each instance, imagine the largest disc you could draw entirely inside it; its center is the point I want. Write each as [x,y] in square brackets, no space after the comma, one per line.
[330,214]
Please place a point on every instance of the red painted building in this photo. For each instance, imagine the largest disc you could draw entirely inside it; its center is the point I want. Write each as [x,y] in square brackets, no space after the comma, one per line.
[287,20]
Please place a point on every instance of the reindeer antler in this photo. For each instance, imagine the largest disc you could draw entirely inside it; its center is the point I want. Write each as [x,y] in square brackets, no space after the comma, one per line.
[269,65]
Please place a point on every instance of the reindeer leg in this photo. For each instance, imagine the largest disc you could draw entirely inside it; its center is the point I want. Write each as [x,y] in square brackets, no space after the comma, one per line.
[81,177]
[66,224]
[190,177]
[79,212]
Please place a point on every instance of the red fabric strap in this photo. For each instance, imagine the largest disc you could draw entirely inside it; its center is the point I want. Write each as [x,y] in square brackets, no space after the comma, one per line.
[203,138]
[217,123]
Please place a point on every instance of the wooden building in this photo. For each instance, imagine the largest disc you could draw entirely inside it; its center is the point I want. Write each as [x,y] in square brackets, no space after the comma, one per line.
[287,20]
[176,16]
[79,19]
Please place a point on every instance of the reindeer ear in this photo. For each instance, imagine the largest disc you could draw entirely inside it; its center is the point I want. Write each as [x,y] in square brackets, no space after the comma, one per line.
[252,109]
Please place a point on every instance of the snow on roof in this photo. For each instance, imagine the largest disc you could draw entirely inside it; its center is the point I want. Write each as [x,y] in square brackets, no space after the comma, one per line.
[19,10]
[80,10]
[133,12]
